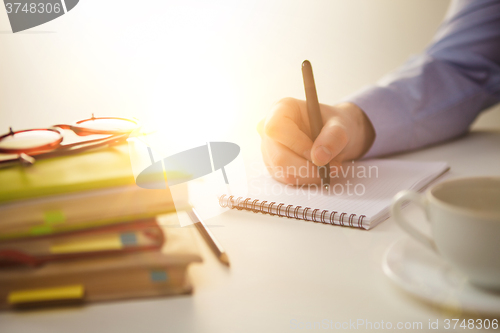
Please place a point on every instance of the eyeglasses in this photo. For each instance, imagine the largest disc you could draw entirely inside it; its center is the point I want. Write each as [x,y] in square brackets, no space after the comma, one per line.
[48,142]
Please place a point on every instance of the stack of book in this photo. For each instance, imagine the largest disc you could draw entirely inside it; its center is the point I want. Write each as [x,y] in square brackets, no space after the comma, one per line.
[77,229]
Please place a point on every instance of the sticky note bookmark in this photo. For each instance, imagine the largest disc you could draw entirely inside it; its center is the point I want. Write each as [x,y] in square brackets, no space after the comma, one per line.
[72,292]
[54,216]
[128,238]
[100,243]
[158,276]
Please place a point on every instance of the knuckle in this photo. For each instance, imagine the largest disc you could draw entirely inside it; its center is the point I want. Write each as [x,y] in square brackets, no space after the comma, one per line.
[287,102]
[294,144]
[286,107]
[278,159]
[338,135]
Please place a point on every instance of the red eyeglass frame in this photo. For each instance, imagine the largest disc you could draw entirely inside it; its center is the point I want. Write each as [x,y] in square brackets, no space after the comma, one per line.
[55,148]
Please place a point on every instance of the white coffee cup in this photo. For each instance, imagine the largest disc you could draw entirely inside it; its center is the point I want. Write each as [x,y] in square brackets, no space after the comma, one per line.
[464,215]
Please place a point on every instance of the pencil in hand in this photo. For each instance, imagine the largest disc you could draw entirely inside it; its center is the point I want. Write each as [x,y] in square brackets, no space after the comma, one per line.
[314,113]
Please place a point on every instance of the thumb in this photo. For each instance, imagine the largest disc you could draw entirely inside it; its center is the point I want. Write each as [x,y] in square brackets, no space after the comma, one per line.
[330,142]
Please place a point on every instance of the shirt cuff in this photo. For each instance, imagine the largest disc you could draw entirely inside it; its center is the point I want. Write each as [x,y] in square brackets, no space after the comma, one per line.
[386,111]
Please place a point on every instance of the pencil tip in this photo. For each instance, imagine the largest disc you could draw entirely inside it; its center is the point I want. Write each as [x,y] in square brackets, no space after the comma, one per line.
[224,259]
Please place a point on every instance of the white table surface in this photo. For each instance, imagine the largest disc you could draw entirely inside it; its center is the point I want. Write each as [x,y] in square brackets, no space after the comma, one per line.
[281,270]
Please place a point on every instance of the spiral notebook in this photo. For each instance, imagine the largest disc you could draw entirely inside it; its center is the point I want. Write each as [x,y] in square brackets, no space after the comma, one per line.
[360,194]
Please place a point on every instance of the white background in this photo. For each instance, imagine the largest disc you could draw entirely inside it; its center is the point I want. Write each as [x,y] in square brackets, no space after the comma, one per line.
[202,70]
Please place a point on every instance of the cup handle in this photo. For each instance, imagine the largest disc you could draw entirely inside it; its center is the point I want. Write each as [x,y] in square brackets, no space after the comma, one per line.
[420,200]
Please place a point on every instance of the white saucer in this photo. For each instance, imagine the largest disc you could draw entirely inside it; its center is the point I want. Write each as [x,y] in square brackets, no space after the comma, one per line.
[422,273]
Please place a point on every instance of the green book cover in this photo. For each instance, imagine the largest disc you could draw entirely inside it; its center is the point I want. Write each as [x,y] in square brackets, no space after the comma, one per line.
[93,170]
[102,168]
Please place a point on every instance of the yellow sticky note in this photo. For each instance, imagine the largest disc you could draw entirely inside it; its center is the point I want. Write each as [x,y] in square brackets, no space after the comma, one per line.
[99,243]
[54,216]
[46,294]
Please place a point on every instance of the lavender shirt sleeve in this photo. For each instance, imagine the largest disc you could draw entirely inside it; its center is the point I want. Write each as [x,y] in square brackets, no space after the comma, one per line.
[435,96]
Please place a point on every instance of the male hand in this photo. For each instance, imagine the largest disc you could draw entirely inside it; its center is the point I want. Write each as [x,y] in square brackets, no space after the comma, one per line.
[290,154]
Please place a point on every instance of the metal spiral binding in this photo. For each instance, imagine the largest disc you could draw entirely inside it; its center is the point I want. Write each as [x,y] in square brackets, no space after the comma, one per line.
[314,216]
[253,206]
[295,212]
[245,203]
[350,219]
[341,219]
[262,209]
[238,206]
[279,209]
[270,208]
[287,212]
[332,217]
[323,213]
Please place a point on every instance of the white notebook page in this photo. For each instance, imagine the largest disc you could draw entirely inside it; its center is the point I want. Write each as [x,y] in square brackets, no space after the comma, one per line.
[362,188]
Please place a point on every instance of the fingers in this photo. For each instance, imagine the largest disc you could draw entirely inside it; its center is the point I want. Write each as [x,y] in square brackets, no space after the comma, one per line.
[330,142]
[287,133]
[287,147]
[287,167]
[286,126]
[284,165]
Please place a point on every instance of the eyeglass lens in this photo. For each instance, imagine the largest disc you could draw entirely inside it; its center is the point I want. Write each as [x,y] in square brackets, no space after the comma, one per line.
[103,124]
[29,139]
